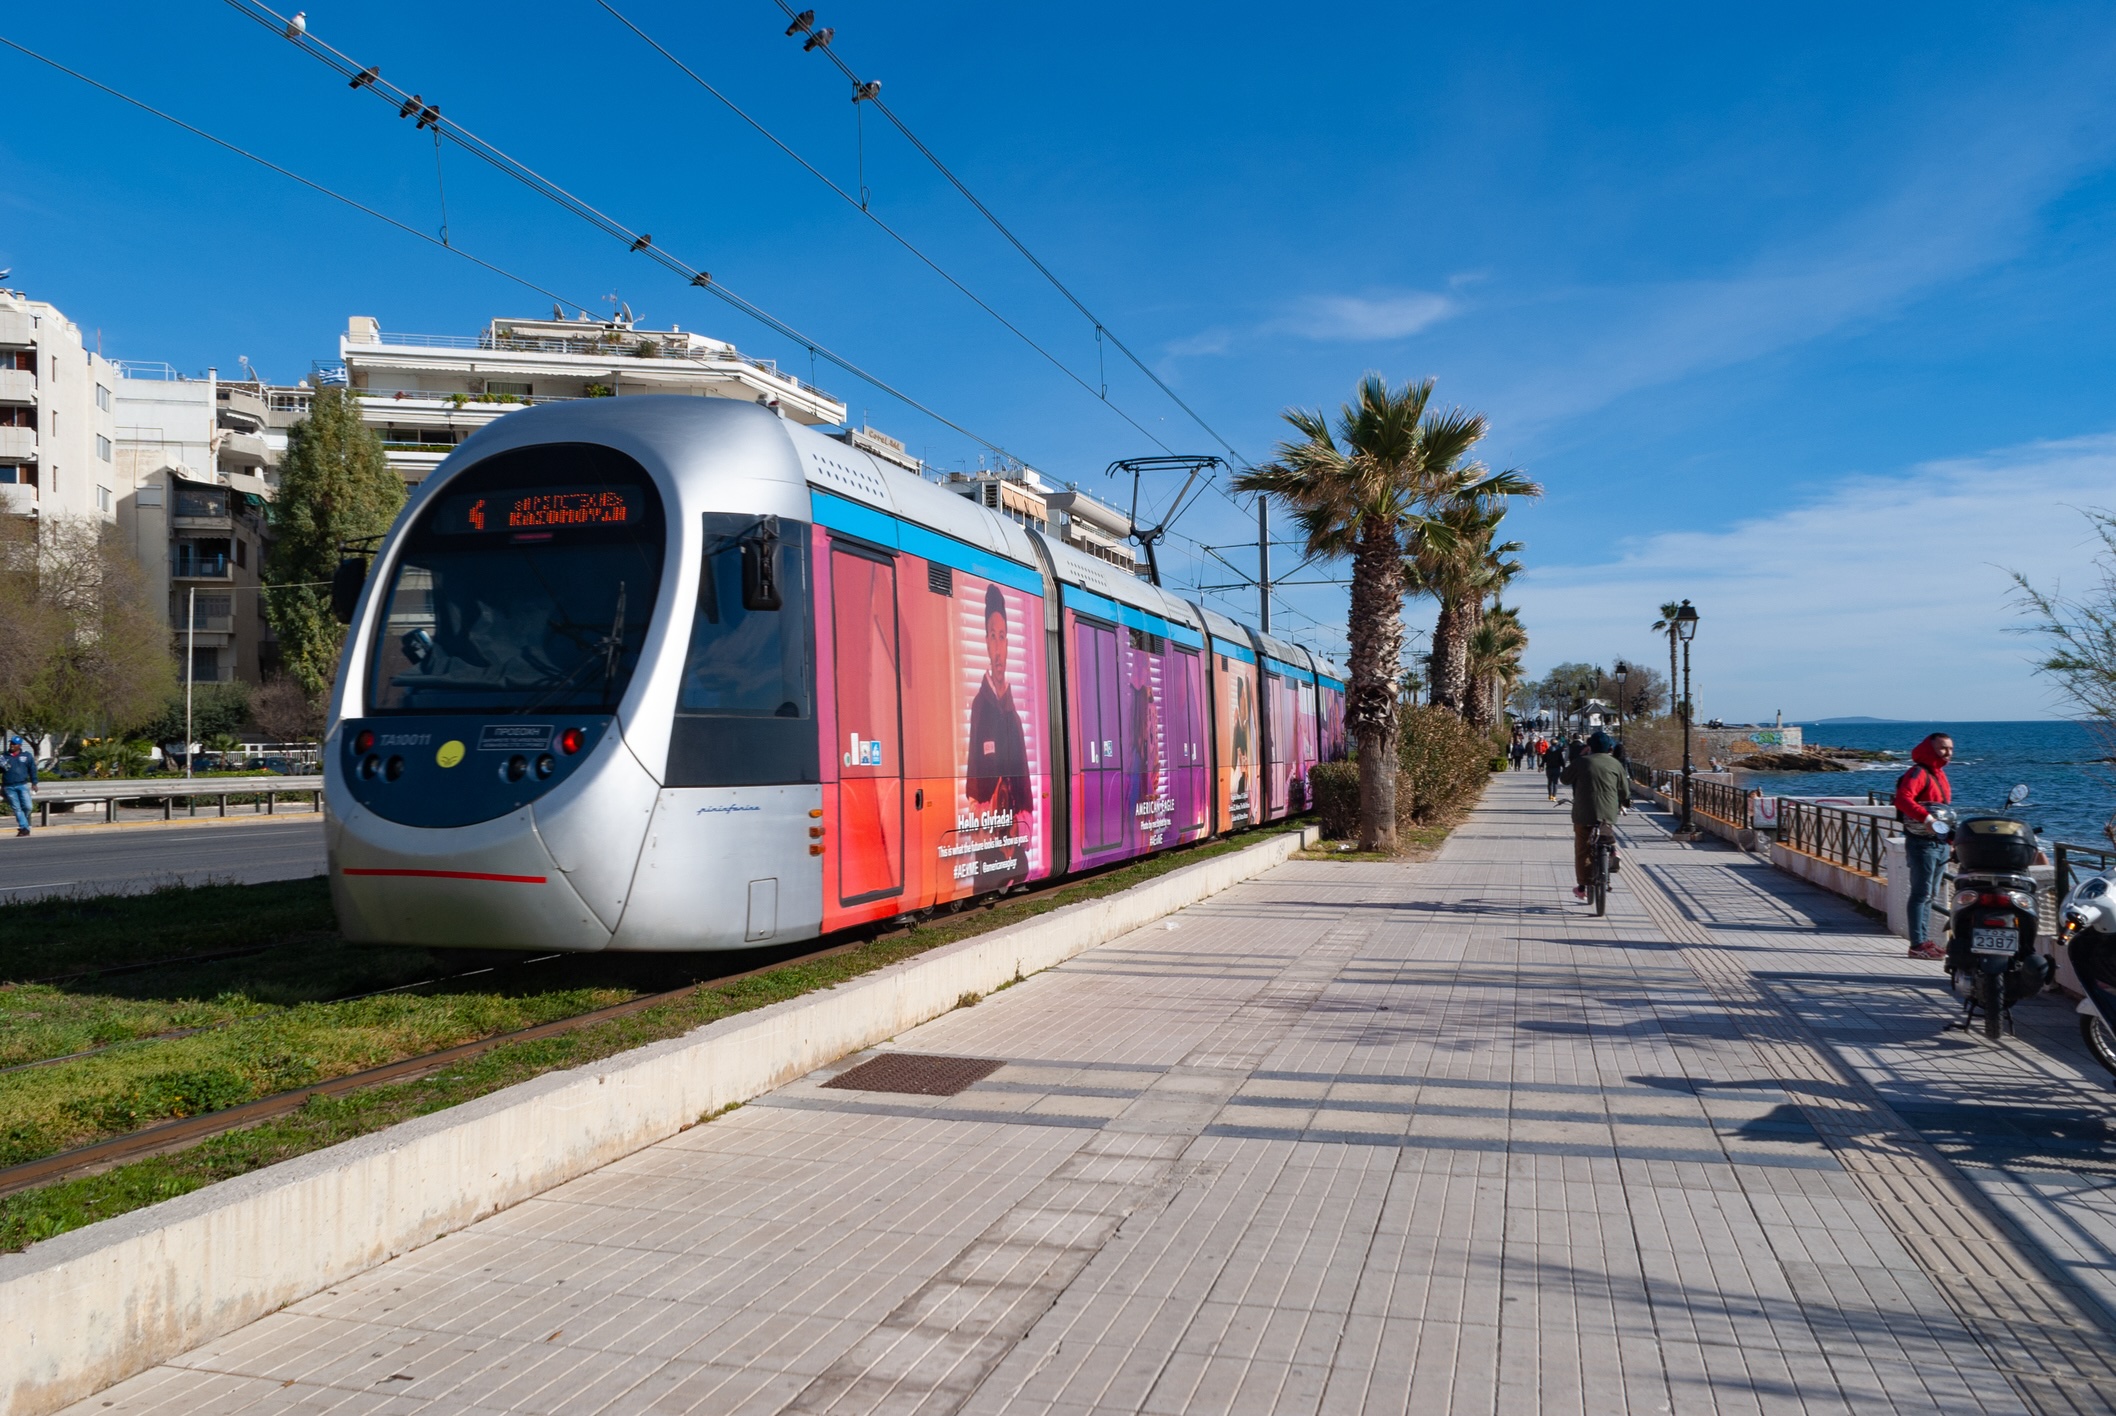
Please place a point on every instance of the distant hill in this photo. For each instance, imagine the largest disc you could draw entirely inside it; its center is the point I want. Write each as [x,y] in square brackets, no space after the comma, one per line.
[1837,722]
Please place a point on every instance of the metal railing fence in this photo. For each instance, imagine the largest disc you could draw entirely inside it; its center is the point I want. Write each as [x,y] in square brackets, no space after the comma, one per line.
[1836,834]
[1722,801]
[265,792]
[2066,855]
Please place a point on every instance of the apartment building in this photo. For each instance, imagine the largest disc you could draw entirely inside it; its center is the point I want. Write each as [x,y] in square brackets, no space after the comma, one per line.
[424,393]
[58,429]
[1022,495]
[197,465]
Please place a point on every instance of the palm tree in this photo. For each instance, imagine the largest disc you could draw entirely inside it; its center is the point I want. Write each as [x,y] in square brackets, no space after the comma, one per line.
[1361,491]
[1455,560]
[1495,649]
[1666,625]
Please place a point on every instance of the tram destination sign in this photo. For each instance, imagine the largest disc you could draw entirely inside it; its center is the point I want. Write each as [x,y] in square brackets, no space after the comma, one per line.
[536,509]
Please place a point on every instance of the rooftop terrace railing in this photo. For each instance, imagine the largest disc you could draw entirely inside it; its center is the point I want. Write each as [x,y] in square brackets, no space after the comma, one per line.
[598,347]
[1839,835]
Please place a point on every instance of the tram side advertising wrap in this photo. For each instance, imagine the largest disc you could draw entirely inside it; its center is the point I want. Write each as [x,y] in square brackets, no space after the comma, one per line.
[937,758]
[1138,725]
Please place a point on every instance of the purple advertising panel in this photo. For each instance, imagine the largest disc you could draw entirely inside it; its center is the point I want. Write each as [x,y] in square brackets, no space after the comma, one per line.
[1137,724]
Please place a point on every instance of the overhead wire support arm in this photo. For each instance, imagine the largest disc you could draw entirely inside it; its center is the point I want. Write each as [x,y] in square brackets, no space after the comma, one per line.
[369,79]
[1193,465]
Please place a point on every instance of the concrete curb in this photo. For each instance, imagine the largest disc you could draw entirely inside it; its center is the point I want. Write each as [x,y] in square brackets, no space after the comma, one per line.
[92,1307]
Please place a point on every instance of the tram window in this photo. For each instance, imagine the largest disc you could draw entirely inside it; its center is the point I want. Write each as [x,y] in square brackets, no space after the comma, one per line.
[745,706]
[494,618]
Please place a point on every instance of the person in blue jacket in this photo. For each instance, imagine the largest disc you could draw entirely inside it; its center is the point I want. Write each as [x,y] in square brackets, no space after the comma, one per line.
[18,773]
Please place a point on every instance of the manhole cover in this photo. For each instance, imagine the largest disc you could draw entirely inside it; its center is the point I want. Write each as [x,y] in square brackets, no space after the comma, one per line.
[916,1072]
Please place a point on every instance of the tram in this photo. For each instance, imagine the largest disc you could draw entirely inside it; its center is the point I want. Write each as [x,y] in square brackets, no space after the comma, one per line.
[665,673]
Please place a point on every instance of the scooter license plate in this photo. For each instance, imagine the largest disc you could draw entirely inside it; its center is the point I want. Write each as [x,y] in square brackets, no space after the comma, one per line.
[1994,941]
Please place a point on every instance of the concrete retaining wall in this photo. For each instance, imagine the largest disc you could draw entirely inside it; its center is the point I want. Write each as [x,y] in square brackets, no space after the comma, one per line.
[1832,877]
[89,1308]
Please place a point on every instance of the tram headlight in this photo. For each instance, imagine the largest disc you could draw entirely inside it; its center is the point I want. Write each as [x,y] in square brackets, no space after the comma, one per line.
[569,741]
[546,765]
[394,768]
[369,766]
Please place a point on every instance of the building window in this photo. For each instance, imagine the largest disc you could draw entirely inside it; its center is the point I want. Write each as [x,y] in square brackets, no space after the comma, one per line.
[205,665]
[54,422]
[513,390]
[102,498]
[102,447]
[242,551]
[7,476]
[102,398]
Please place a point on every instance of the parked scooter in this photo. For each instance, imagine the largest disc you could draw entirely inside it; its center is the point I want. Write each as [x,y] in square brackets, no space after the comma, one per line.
[1991,957]
[2087,929]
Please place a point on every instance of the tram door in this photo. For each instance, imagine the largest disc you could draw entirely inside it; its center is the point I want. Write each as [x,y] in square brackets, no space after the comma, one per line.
[1184,726]
[870,834]
[1101,759]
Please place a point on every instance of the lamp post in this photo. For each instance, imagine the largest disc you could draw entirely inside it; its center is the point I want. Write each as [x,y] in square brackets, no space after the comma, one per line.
[1623,671]
[1686,630]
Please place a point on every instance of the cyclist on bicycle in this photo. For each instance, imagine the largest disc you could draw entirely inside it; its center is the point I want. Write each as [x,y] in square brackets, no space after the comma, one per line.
[1601,792]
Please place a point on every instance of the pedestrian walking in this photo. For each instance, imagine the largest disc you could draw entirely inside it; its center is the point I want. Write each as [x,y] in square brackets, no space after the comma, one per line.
[1924,786]
[18,773]
[1553,764]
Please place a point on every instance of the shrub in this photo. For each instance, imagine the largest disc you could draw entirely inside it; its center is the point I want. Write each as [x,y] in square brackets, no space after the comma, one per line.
[1444,766]
[1336,789]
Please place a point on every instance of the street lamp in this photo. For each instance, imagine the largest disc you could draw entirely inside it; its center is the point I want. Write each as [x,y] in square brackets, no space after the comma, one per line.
[1686,630]
[1623,671]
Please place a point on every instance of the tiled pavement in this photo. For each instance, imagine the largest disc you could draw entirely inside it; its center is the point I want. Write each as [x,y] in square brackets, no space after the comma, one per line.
[1346,1138]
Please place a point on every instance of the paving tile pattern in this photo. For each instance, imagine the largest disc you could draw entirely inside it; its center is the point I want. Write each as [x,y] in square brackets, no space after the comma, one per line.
[1347,1138]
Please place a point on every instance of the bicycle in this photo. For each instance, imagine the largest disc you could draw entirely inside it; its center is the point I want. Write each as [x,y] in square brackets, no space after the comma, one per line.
[1604,864]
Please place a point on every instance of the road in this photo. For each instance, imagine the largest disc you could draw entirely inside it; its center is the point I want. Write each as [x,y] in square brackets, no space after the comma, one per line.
[98,861]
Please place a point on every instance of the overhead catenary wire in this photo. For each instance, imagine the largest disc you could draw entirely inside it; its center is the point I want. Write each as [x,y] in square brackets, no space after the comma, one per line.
[429,114]
[860,203]
[1102,329]
[288,173]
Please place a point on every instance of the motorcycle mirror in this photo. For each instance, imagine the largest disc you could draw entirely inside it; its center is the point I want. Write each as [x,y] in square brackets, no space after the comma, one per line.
[2018,795]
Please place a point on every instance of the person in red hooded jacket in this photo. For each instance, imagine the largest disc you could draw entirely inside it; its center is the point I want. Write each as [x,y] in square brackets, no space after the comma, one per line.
[1924,786]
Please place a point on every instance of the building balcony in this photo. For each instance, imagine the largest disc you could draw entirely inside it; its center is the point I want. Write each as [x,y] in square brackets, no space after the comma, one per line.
[242,450]
[17,329]
[194,567]
[18,444]
[17,499]
[18,386]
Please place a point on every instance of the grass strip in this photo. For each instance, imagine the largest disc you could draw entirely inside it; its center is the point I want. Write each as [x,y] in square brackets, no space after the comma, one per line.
[65,1205]
[71,933]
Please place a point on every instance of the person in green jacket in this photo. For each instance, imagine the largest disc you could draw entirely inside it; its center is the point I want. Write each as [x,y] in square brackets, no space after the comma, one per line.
[1601,792]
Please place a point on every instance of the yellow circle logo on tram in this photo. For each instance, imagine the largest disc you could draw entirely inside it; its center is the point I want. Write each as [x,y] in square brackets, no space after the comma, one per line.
[450,754]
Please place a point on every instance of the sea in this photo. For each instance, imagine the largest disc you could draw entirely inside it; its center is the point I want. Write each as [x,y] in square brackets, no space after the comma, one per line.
[2071,788]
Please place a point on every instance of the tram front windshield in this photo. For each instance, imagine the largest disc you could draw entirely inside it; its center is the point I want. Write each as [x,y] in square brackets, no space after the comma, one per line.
[526,587]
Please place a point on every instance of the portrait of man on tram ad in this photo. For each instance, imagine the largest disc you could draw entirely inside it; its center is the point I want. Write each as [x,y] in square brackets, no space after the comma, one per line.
[997,780]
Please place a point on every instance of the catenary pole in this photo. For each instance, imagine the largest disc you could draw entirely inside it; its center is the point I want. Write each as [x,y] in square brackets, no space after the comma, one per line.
[190,666]
[1263,568]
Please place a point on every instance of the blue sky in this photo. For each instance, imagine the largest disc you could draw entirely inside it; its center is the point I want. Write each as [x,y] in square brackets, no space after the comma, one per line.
[1805,314]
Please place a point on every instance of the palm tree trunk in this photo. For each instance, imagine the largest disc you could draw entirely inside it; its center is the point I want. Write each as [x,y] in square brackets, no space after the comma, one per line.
[1673,706]
[1450,673]
[1370,699]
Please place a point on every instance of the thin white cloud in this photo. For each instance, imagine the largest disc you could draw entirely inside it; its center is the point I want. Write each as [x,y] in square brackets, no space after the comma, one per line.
[1373,318]
[1363,319]
[1888,596]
